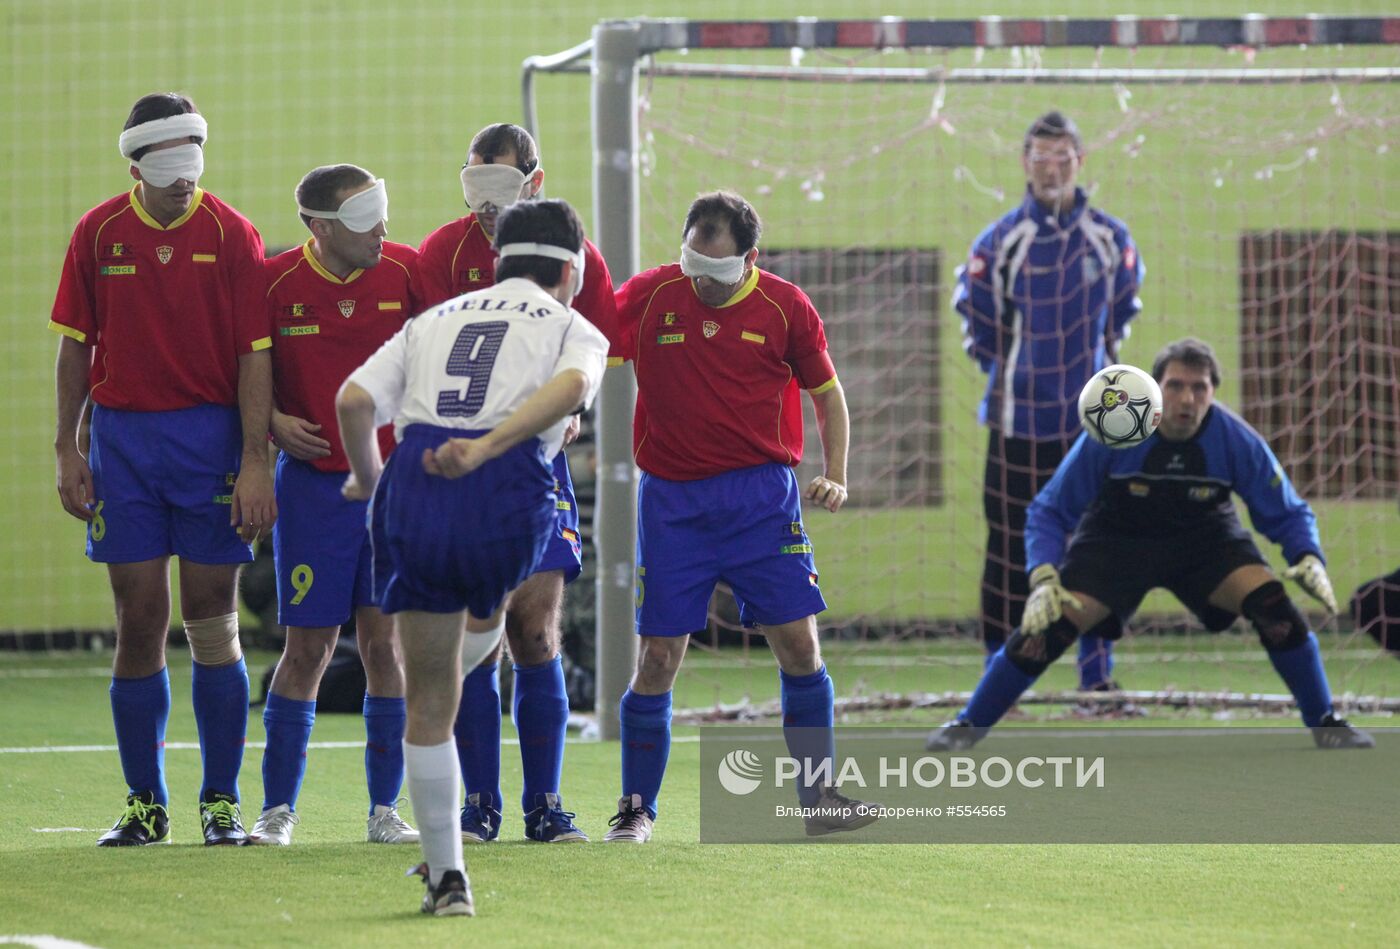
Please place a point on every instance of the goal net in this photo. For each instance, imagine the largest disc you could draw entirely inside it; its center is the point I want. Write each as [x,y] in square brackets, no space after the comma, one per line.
[1253,162]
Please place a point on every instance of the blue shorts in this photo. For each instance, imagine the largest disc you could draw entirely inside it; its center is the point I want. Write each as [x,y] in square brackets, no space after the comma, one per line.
[440,545]
[321,547]
[164,485]
[565,551]
[743,527]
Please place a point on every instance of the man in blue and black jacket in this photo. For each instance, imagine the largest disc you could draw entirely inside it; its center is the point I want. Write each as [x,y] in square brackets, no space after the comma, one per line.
[1046,295]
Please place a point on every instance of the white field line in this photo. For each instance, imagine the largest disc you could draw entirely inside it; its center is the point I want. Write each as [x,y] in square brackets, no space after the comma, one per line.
[315,745]
[76,672]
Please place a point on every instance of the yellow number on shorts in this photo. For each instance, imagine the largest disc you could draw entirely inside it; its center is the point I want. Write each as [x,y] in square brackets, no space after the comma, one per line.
[640,594]
[98,530]
[302,578]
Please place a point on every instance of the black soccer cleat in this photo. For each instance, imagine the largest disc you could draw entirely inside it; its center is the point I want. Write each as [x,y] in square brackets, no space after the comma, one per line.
[957,735]
[1337,732]
[222,820]
[143,822]
[835,813]
[451,897]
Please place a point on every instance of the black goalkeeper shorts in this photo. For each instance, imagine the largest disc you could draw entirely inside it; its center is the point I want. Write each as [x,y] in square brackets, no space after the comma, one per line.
[1119,571]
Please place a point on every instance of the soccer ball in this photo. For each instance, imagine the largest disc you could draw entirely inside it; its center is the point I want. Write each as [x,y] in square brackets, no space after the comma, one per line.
[1121,406]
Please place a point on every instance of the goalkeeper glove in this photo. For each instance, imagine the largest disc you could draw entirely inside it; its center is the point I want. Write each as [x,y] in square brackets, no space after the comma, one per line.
[1047,600]
[1312,576]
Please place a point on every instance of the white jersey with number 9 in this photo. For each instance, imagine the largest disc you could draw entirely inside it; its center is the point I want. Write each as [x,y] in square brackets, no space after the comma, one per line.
[470,362]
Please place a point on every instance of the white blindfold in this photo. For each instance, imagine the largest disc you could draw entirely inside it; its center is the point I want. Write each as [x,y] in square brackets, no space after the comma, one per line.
[499,186]
[726,270]
[361,212]
[165,166]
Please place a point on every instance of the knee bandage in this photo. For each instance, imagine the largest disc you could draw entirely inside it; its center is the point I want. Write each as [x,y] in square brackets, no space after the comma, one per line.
[1034,654]
[1279,624]
[477,646]
[214,641]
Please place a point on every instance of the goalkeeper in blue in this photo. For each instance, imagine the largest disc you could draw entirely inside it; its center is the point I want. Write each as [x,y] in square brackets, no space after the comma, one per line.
[1113,524]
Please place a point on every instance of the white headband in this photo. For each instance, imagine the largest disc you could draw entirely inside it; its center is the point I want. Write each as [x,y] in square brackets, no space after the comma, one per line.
[361,212]
[497,185]
[185,125]
[531,249]
[726,270]
[554,251]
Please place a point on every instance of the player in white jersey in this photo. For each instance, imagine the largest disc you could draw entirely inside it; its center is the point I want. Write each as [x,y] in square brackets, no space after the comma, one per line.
[478,390]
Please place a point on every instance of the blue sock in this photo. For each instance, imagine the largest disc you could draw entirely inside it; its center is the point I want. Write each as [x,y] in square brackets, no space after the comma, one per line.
[1301,670]
[221,714]
[1095,661]
[646,744]
[478,734]
[385,720]
[1001,685]
[808,727]
[542,719]
[288,725]
[140,709]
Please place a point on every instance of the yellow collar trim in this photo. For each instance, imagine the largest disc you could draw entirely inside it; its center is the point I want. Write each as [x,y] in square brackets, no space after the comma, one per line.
[744,290]
[152,222]
[310,256]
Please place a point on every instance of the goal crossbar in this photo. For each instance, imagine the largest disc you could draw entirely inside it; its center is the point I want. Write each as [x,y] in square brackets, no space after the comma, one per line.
[656,35]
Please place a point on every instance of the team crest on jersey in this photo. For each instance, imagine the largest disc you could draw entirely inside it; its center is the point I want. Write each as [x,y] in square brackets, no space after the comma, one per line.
[976,265]
[474,274]
[710,328]
[164,252]
[116,250]
[347,308]
[668,319]
[1092,270]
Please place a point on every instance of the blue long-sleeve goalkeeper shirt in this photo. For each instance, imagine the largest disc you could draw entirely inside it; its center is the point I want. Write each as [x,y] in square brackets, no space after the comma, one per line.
[1040,295]
[1171,492]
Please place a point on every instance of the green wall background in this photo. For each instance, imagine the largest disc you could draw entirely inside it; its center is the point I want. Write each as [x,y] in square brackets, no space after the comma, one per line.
[400,88]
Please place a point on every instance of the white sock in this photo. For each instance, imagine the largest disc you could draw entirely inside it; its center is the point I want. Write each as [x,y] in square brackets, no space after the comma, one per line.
[434,788]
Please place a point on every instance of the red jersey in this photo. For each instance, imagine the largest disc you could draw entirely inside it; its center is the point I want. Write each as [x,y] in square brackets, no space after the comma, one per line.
[168,309]
[327,328]
[717,387]
[458,258]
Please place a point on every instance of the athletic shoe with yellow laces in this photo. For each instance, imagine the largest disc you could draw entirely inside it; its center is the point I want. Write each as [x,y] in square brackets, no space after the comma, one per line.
[222,820]
[143,822]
